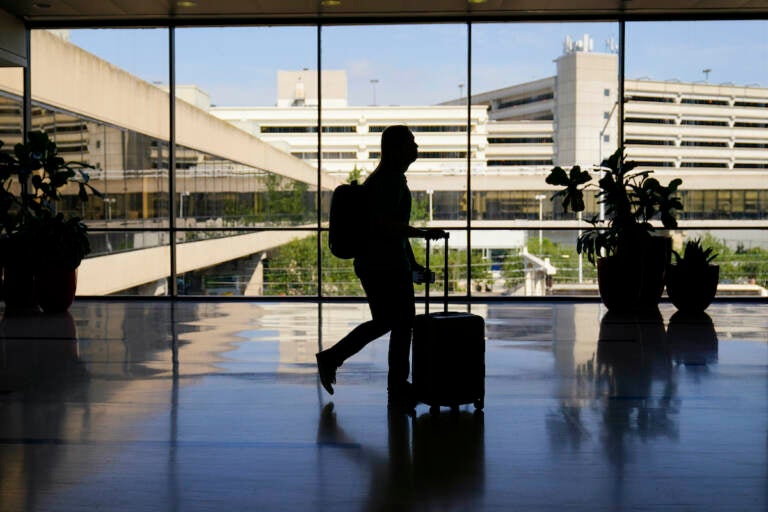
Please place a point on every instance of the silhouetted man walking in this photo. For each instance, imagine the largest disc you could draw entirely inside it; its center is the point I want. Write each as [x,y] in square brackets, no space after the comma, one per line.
[385,267]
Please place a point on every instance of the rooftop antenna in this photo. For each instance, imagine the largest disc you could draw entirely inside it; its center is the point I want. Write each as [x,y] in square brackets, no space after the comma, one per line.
[374,81]
[461,92]
[706,72]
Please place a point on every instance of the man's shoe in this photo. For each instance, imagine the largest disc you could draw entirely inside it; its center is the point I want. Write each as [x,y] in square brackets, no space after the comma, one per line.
[327,372]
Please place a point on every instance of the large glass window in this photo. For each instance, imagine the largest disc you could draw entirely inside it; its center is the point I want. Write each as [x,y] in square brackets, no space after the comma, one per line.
[706,86]
[111,112]
[546,94]
[262,138]
[245,135]
[378,76]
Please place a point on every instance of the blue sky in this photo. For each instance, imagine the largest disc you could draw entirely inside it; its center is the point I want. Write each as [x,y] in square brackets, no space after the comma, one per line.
[424,64]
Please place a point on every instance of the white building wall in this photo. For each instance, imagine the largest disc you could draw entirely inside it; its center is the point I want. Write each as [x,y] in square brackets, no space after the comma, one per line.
[585,93]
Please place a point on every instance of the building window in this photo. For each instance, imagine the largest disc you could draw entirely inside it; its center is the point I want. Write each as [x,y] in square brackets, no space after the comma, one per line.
[650,142]
[651,120]
[750,165]
[525,101]
[758,145]
[519,140]
[654,163]
[423,128]
[703,122]
[704,144]
[606,92]
[700,101]
[750,124]
[289,129]
[754,104]
[327,155]
[502,163]
[339,129]
[652,99]
[442,154]
[705,165]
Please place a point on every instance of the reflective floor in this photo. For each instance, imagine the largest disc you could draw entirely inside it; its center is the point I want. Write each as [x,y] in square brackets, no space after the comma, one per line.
[216,406]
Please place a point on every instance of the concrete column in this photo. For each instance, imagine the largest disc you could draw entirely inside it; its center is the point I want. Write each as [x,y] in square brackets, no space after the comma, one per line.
[255,286]
[155,288]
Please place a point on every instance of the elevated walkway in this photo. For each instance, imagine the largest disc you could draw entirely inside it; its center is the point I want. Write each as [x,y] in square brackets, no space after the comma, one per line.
[103,275]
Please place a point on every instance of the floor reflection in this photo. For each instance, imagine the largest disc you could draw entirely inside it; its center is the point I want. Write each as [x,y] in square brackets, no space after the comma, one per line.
[631,384]
[692,339]
[39,350]
[128,406]
[431,462]
[635,379]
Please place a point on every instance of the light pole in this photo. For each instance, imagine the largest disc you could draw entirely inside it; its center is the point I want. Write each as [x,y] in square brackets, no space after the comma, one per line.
[182,195]
[108,202]
[540,198]
[581,264]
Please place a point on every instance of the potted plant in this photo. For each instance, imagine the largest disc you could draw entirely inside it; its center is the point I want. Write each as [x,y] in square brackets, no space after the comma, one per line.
[41,248]
[630,255]
[692,280]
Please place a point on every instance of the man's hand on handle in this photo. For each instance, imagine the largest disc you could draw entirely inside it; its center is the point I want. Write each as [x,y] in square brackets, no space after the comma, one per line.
[435,233]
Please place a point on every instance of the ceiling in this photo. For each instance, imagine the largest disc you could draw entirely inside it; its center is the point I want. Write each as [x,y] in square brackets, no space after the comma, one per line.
[148,12]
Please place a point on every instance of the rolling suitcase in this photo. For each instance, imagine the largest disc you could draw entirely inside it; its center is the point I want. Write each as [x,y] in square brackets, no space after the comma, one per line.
[448,360]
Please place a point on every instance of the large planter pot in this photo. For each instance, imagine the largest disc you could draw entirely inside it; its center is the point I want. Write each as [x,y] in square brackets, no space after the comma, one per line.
[18,287]
[634,281]
[55,290]
[692,292]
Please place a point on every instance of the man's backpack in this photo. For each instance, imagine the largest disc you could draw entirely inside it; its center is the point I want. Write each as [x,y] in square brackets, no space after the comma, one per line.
[348,219]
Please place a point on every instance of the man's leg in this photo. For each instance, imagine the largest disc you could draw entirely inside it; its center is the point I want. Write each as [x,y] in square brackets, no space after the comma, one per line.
[402,312]
[376,290]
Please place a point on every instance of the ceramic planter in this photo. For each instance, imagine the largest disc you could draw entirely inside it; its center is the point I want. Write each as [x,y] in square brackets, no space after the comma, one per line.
[692,291]
[55,290]
[634,281]
[18,287]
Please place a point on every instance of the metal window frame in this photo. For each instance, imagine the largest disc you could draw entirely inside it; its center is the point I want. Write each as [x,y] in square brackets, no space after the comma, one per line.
[319,23]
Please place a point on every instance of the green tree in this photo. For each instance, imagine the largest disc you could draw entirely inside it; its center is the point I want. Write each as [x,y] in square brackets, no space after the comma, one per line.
[292,270]
[356,174]
[283,201]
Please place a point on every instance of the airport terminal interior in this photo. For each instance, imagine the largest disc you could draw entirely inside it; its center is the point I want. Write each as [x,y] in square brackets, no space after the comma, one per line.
[183,377]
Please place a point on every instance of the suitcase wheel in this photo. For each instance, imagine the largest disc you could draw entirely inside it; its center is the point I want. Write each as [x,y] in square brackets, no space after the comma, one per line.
[479,404]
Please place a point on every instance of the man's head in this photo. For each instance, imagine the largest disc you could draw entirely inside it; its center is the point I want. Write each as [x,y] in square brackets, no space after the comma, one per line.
[398,146]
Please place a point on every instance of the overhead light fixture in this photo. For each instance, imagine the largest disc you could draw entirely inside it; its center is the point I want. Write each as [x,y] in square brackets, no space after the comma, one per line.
[186,3]
[330,3]
[476,1]
[41,5]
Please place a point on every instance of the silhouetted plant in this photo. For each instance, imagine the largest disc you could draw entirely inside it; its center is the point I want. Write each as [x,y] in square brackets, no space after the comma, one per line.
[631,198]
[695,257]
[32,178]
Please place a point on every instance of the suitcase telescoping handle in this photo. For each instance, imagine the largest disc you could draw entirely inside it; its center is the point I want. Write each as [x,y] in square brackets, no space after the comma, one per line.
[445,278]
